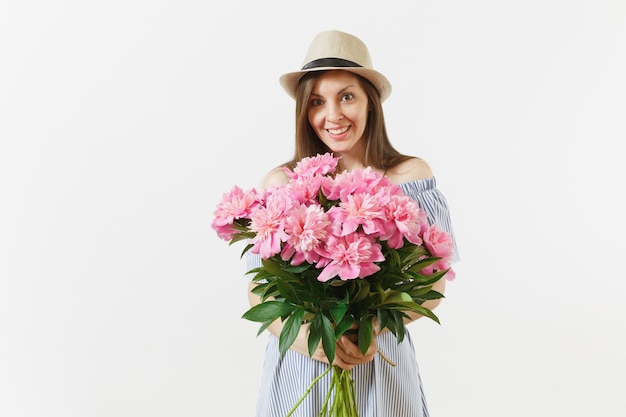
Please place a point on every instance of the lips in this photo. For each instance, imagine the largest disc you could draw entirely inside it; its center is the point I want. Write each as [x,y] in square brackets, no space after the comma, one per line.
[338,131]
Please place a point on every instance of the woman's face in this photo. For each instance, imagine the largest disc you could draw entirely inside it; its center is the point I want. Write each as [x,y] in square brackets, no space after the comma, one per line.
[337,111]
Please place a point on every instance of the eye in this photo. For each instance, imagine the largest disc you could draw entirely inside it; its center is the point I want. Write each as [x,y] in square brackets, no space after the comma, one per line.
[347,97]
[316,102]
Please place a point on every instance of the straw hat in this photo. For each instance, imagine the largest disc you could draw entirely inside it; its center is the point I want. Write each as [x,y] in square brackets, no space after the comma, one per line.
[337,50]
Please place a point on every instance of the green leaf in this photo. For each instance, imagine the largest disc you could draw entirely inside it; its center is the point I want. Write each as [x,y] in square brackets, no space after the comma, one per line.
[398,297]
[254,270]
[398,320]
[394,257]
[328,338]
[258,289]
[272,267]
[419,265]
[290,330]
[243,252]
[271,290]
[390,323]
[410,306]
[384,294]
[268,310]
[262,275]
[383,318]
[336,282]
[287,291]
[315,334]
[298,269]
[390,278]
[425,280]
[338,311]
[343,325]
[427,313]
[430,295]
[419,291]
[365,334]
[363,291]
[242,236]
[264,326]
[413,255]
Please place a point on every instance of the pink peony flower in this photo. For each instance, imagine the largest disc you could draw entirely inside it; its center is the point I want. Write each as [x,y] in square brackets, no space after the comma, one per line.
[268,222]
[349,257]
[315,165]
[360,209]
[307,231]
[236,204]
[351,182]
[305,190]
[359,181]
[440,245]
[405,220]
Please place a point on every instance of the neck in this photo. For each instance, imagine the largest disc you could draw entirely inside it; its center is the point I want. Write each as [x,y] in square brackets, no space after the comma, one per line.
[347,163]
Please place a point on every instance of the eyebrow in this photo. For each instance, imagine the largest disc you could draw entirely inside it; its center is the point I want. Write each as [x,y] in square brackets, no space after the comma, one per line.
[338,93]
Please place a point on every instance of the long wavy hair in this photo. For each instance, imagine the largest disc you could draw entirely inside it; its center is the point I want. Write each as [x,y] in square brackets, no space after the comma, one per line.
[379,152]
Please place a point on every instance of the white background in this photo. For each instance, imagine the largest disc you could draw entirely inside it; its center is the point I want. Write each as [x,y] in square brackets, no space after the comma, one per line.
[123,122]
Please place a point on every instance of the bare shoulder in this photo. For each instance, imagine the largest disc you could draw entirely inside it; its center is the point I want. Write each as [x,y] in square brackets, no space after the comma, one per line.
[275,177]
[411,169]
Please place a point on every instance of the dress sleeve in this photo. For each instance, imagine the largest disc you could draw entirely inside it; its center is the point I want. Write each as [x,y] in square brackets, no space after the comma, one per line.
[426,193]
[253,260]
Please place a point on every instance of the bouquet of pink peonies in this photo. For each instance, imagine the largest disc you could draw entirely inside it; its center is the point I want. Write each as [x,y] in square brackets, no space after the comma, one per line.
[338,251]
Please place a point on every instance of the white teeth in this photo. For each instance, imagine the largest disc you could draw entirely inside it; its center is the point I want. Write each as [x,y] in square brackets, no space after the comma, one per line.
[338,131]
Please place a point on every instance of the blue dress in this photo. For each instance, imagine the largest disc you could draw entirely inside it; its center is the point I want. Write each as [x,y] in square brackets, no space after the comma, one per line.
[381,389]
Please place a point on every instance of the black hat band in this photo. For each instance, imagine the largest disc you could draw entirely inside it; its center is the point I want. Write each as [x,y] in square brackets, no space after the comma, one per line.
[330,62]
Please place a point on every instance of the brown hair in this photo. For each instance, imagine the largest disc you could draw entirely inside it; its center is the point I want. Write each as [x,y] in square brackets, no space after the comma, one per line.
[379,152]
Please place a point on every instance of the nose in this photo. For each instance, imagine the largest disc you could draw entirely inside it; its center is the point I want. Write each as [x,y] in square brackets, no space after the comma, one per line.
[333,113]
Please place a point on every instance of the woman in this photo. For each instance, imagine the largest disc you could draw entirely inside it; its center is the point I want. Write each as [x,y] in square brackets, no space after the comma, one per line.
[339,109]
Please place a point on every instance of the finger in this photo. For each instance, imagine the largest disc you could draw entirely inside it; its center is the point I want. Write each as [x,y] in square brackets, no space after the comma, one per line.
[350,347]
[353,349]
[343,364]
[372,348]
[346,357]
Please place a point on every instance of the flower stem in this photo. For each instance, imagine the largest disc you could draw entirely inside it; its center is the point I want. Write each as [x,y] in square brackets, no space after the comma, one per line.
[308,391]
[344,404]
[341,390]
[389,361]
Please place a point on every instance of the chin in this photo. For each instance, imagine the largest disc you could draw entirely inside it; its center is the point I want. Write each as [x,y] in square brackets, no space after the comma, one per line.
[340,147]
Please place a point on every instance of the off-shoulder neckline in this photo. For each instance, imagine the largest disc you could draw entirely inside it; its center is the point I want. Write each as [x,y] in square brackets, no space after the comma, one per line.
[429,179]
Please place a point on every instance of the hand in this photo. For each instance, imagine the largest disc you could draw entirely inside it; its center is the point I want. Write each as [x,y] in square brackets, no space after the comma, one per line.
[348,355]
[347,352]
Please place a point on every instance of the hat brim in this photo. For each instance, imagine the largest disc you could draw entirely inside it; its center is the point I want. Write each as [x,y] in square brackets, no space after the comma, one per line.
[289,81]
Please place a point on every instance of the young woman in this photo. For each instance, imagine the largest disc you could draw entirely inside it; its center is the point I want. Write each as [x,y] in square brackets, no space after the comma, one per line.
[339,109]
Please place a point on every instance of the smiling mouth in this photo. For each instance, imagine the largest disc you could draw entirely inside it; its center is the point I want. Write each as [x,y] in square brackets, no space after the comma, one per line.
[338,131]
